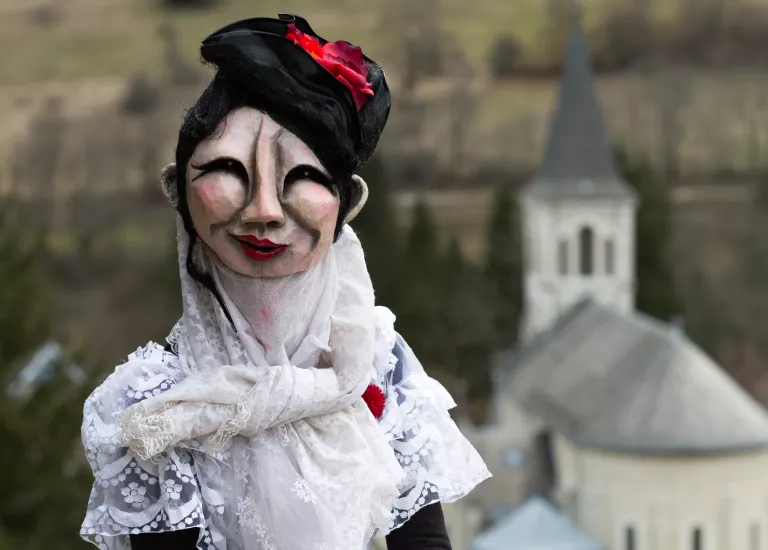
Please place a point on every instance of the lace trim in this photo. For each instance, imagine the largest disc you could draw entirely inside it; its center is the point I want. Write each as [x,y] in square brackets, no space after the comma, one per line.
[174,336]
[439,462]
[384,359]
[132,496]
[234,425]
[152,431]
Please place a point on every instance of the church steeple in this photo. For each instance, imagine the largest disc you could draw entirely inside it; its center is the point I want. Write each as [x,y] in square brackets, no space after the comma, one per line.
[578,213]
[579,159]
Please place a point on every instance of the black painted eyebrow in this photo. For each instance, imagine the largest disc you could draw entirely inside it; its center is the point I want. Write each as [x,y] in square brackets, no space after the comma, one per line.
[223,164]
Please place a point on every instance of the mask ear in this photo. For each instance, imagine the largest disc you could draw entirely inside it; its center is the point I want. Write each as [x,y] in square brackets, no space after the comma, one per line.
[168,184]
[356,208]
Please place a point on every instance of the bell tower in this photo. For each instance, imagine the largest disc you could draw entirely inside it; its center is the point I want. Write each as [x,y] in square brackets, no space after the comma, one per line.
[578,213]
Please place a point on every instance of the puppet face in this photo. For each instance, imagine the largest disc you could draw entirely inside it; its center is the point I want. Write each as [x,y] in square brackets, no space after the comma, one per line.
[259,198]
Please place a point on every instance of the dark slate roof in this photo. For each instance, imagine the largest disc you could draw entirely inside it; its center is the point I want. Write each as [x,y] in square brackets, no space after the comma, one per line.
[534,525]
[579,160]
[632,384]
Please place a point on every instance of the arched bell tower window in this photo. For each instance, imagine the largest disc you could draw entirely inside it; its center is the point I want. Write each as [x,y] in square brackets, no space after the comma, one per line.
[697,539]
[586,251]
[630,539]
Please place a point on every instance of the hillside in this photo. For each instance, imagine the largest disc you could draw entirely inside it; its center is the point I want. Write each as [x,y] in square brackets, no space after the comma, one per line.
[44,40]
[86,51]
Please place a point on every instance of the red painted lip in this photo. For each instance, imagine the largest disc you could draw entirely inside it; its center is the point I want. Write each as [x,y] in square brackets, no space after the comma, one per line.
[263,243]
[259,250]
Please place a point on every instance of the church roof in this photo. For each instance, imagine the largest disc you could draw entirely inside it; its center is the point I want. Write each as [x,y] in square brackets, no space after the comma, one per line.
[579,160]
[634,384]
[534,525]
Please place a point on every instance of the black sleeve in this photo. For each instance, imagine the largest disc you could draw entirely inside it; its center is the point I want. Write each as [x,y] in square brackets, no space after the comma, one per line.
[186,539]
[424,531]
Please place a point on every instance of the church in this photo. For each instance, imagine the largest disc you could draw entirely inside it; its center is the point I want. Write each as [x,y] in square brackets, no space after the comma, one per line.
[609,429]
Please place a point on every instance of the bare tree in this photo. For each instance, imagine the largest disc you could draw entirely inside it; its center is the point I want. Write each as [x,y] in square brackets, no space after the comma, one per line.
[178,70]
[504,56]
[36,159]
[461,111]
[697,32]
[626,38]
[141,95]
[673,91]
[752,115]
[421,47]
[190,4]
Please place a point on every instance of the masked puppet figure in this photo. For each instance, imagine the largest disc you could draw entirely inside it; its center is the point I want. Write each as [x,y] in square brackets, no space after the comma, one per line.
[285,413]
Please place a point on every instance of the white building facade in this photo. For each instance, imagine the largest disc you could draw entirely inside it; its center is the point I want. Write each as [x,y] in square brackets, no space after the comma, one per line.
[625,501]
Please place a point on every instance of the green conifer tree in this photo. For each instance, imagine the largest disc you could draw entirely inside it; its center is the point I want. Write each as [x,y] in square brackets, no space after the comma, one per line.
[655,294]
[25,305]
[468,330]
[419,304]
[503,269]
[45,481]
[376,226]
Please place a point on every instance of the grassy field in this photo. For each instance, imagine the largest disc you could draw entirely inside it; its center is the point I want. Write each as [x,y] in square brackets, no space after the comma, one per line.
[103,38]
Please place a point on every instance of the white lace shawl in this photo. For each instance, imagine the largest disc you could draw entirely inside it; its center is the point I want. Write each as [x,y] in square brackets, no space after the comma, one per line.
[235,494]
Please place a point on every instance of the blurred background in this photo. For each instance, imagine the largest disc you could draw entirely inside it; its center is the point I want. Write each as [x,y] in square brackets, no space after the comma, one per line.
[567,216]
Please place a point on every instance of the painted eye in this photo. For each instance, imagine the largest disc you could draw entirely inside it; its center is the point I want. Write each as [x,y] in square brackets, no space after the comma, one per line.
[224,165]
[308,173]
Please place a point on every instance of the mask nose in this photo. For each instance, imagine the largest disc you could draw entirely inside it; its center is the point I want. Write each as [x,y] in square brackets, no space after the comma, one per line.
[265,209]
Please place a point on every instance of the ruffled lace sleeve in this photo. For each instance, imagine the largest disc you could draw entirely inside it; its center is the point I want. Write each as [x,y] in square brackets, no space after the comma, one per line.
[440,463]
[130,495]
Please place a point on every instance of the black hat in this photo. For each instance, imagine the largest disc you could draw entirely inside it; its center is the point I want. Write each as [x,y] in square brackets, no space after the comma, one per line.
[296,90]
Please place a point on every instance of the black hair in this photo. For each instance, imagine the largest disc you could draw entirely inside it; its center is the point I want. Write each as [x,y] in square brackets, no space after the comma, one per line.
[257,67]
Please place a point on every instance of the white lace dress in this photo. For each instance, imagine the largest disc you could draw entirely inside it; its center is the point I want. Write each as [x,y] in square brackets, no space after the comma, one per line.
[133,496]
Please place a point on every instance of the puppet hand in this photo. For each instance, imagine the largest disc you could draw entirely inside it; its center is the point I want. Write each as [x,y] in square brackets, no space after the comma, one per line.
[197,406]
[150,434]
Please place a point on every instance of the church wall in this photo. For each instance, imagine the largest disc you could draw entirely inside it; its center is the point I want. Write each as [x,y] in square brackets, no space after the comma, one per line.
[665,499]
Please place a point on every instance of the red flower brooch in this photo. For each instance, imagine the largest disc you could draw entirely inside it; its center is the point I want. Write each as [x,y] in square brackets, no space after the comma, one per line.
[375,399]
[341,59]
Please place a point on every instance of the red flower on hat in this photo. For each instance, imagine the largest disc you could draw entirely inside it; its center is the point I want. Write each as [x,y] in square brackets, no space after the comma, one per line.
[375,399]
[341,59]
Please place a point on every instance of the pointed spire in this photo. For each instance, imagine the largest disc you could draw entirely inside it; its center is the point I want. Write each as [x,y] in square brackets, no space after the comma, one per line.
[579,159]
